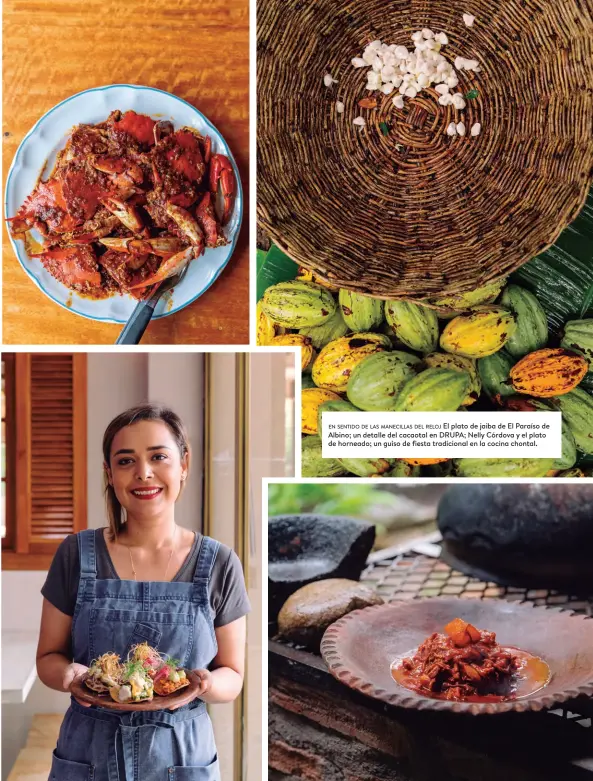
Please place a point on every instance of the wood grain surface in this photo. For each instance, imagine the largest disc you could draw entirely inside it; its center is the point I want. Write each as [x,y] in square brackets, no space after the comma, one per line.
[195,49]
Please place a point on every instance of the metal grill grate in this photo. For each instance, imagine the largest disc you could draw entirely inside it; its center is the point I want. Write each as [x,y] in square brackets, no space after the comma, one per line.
[411,575]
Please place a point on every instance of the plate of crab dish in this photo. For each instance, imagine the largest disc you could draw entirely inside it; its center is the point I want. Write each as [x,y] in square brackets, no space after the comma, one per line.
[116,190]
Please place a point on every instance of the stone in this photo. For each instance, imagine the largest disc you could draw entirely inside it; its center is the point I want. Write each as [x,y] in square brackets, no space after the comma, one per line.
[308,612]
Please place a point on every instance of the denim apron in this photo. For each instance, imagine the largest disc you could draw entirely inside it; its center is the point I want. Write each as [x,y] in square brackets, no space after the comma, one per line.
[96,744]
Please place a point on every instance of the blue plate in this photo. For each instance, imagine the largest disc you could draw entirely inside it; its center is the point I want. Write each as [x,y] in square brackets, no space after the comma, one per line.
[37,153]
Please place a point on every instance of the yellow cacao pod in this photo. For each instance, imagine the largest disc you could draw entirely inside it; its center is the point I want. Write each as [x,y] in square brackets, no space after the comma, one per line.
[456,304]
[296,340]
[548,372]
[461,364]
[308,276]
[266,329]
[336,361]
[311,400]
[481,332]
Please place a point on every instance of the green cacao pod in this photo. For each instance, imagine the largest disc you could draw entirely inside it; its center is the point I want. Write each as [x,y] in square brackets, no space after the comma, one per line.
[401,469]
[481,332]
[336,361]
[531,332]
[361,313]
[323,334]
[578,336]
[494,371]
[454,305]
[376,381]
[458,363]
[569,449]
[503,467]
[307,382]
[433,390]
[366,467]
[313,465]
[577,411]
[298,304]
[415,325]
[334,406]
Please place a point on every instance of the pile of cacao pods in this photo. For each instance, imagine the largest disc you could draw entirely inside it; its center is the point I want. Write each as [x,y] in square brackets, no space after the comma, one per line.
[489,346]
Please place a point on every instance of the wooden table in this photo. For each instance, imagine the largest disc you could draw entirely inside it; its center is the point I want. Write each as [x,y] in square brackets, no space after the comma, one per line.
[199,51]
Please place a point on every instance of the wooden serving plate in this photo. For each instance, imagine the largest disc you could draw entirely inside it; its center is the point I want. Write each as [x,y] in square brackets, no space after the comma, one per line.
[178,698]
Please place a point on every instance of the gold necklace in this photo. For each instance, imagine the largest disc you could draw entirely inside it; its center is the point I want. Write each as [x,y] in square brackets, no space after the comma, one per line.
[168,563]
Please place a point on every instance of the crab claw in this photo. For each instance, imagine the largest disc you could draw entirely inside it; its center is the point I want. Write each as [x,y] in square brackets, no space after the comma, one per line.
[207,149]
[221,172]
[124,170]
[161,129]
[186,223]
[206,218]
[162,247]
[170,267]
[126,214]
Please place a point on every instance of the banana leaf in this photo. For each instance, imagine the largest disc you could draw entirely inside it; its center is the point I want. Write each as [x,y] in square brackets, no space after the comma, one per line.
[562,277]
[273,266]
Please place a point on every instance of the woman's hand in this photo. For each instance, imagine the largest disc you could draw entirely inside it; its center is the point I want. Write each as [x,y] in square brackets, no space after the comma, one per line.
[71,674]
[205,682]
[205,685]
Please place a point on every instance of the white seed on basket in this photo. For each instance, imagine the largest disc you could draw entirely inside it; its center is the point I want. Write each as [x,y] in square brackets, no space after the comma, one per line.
[394,67]
[471,65]
[475,130]
[468,20]
[328,80]
[339,107]
[452,129]
[360,121]
[460,128]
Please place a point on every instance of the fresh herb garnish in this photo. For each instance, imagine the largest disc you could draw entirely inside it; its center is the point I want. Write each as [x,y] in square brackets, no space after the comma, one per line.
[472,94]
[384,128]
[173,662]
[134,667]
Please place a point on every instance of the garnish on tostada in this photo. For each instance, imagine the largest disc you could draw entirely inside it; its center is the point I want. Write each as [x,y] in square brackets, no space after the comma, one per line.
[170,678]
[136,684]
[104,672]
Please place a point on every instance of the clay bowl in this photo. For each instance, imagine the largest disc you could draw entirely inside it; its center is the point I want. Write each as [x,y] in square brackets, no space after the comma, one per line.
[178,698]
[359,648]
[308,547]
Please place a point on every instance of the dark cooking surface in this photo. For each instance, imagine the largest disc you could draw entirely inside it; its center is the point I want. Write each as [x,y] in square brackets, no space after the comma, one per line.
[315,717]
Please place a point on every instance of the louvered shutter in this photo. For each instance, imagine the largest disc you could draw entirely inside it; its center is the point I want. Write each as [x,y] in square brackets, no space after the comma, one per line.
[51,426]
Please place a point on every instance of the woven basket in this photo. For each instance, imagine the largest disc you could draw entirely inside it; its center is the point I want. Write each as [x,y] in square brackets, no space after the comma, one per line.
[415,213]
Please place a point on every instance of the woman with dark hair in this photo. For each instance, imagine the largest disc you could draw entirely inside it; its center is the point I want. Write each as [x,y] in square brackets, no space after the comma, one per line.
[142,579]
